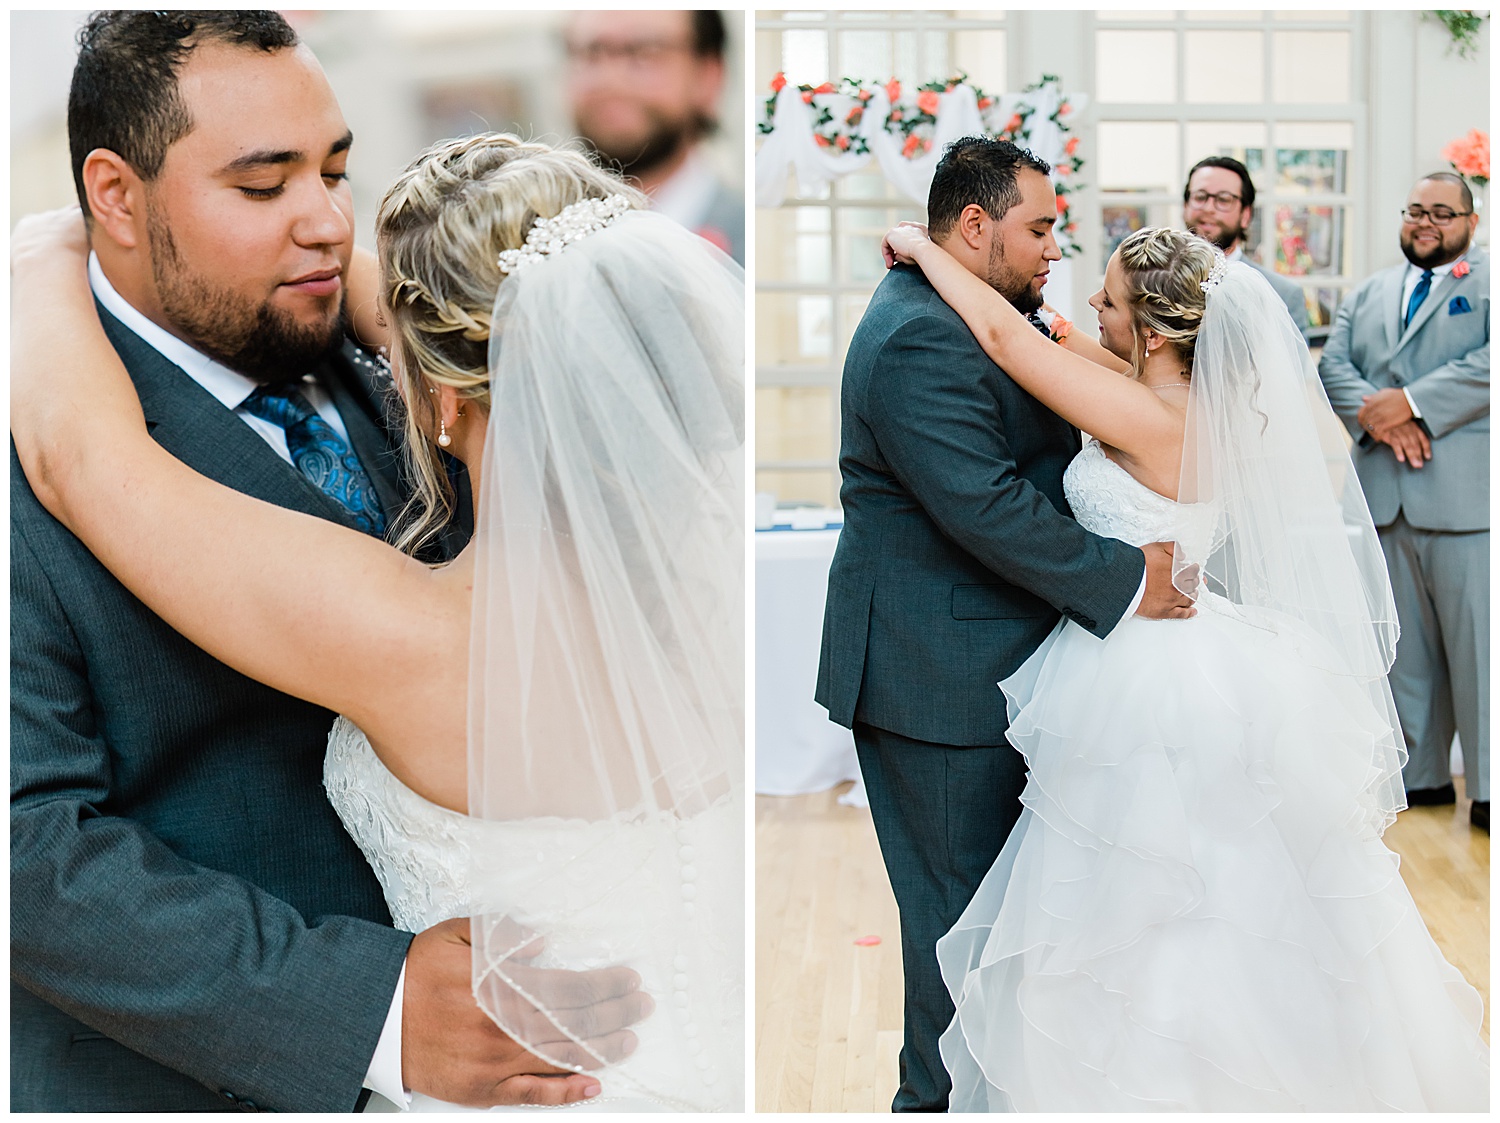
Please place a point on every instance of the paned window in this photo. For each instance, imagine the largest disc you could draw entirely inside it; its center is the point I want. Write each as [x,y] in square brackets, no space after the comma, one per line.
[817,259]
[1275,90]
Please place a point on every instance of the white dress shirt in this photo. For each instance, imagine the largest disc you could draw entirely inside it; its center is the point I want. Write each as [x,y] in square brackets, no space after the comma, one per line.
[232,388]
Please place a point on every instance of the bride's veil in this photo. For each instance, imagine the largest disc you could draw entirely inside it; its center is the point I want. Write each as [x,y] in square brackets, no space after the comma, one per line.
[1292,536]
[606,693]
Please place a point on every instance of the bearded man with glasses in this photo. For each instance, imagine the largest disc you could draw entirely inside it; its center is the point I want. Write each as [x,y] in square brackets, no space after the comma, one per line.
[1217,205]
[645,89]
[1408,369]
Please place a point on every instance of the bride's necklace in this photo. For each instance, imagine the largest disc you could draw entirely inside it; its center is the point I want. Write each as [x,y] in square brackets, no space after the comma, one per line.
[1141,378]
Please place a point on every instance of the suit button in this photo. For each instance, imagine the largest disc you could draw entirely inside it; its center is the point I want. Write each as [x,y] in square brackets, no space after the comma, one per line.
[230,1096]
[249,1105]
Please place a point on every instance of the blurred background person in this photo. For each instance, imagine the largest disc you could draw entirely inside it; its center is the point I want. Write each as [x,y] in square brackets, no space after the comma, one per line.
[1218,204]
[1408,369]
[645,90]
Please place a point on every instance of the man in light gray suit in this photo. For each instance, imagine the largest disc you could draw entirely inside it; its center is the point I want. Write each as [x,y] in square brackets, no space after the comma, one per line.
[1408,369]
[1217,205]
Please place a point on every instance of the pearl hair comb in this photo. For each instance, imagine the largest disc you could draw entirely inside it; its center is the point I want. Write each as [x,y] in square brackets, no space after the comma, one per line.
[576,221]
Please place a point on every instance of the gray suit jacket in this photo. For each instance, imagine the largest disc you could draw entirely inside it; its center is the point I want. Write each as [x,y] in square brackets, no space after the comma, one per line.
[726,216]
[191,928]
[1290,292]
[958,551]
[1443,359]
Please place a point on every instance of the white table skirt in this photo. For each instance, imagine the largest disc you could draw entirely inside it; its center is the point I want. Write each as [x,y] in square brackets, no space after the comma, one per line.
[797,749]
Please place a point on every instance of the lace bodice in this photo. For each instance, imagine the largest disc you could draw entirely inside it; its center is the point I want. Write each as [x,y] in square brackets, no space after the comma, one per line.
[1111,502]
[630,894]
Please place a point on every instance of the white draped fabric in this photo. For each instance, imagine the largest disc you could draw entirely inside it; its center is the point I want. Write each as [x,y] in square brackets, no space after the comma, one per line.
[790,147]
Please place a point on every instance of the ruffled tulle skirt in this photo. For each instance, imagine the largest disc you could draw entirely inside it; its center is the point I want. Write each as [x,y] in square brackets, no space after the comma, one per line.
[1194,911]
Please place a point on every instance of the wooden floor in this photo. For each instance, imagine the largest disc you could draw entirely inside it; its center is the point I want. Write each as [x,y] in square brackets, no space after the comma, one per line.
[828,1011]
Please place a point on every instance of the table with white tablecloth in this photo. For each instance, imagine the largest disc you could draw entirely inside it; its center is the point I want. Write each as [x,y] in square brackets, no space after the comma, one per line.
[797,749]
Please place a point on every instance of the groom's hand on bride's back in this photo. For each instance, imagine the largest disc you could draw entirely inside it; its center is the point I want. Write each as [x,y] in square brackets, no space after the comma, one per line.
[452,1050]
[1163,600]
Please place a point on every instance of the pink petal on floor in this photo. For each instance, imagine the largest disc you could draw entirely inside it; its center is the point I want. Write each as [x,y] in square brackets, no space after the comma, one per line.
[867,941]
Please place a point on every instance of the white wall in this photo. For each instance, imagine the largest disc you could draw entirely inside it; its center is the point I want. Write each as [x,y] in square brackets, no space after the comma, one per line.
[1421,96]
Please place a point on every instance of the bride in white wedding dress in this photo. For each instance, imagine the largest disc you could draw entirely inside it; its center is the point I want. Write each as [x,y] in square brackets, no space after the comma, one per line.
[545,734]
[1195,911]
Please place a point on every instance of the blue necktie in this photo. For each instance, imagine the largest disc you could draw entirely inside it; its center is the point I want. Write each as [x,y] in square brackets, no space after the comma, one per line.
[320,453]
[1418,295]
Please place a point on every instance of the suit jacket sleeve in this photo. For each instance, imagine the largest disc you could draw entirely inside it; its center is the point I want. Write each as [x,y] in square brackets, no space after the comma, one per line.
[196,969]
[939,427]
[1344,382]
[1454,394]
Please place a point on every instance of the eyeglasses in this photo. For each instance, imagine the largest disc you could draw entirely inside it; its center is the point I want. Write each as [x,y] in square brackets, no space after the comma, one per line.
[1441,216]
[643,55]
[1223,201]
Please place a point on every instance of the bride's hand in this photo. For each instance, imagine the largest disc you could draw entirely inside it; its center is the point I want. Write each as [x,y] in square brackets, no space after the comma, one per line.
[902,243]
[51,236]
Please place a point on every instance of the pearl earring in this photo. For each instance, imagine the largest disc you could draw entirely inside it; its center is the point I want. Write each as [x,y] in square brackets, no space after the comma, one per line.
[443,438]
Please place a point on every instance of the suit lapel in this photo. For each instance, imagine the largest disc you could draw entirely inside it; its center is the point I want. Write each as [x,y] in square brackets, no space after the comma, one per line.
[194,426]
[1390,300]
[1438,298]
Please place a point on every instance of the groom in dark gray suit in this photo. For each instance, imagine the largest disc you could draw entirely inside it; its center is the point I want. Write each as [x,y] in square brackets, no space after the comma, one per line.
[957,557]
[191,928]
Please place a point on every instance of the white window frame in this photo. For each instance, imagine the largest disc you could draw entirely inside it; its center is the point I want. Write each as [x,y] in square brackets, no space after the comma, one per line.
[1353,199]
[837,289]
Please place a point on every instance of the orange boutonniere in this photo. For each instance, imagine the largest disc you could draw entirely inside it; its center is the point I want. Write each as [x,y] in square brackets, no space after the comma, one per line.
[1461,270]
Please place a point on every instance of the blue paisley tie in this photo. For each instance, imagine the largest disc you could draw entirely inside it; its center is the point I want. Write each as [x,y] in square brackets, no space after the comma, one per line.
[320,453]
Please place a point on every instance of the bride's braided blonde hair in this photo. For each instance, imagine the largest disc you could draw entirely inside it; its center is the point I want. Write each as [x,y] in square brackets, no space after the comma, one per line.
[1164,271]
[439,234]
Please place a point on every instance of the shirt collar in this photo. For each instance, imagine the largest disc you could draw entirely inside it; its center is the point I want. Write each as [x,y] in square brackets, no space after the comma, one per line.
[228,386]
[1438,271]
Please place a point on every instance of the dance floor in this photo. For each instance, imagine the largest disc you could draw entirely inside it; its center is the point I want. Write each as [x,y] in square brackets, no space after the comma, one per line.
[828,1010]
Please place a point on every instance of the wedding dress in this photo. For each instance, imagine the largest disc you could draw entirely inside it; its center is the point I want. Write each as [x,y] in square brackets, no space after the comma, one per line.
[606,672]
[423,855]
[1195,910]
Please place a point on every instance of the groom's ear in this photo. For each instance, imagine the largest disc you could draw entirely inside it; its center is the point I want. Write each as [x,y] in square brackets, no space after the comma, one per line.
[116,195]
[973,222]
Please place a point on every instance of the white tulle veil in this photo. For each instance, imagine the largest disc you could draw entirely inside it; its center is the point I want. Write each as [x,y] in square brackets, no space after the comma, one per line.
[1293,535]
[606,676]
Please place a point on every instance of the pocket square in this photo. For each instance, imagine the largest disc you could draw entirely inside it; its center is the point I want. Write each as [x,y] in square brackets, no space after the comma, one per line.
[1458,304]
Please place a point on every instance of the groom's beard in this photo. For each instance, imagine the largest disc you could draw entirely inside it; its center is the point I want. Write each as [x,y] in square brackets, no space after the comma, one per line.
[1009,283]
[263,343]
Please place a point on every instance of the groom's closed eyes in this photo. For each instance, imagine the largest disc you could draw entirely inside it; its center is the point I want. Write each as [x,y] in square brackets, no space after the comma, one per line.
[268,160]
